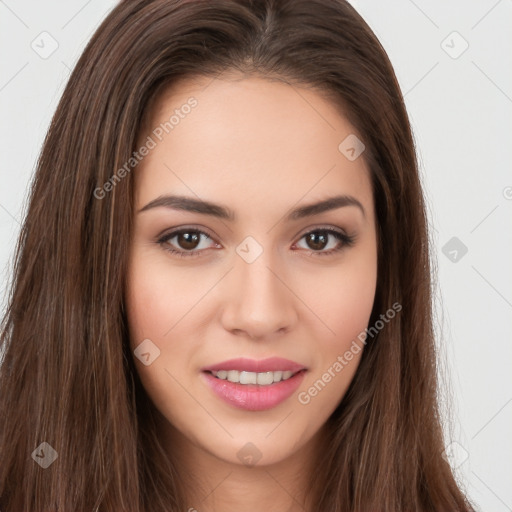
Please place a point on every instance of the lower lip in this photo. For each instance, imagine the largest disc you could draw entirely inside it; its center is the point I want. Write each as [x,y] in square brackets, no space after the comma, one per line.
[252,397]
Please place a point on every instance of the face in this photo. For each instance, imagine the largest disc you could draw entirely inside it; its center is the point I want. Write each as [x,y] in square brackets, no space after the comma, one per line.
[244,300]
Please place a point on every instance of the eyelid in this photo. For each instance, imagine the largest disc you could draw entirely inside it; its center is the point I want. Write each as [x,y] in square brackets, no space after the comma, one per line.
[174,231]
[320,227]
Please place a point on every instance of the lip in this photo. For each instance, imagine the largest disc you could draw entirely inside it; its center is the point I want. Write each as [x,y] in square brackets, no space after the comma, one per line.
[271,364]
[253,397]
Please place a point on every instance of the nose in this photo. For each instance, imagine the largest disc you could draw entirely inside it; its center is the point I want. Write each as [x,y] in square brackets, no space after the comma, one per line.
[259,302]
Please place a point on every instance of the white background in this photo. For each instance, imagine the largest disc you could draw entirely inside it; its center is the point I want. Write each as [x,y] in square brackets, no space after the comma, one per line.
[460,105]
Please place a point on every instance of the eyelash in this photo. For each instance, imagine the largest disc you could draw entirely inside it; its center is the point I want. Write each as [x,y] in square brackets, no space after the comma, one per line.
[346,241]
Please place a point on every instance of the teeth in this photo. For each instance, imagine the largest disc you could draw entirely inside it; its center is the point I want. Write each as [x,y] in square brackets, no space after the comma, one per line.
[263,378]
[248,377]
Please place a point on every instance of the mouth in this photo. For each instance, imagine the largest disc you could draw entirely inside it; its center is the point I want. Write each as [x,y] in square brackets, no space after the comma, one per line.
[254,385]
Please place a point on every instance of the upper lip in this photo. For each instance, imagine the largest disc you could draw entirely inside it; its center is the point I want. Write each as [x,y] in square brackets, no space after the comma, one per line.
[271,364]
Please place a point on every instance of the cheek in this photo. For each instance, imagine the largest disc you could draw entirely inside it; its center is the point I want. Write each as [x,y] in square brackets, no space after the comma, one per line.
[342,297]
[157,300]
[352,302]
[153,309]
[158,296]
[343,302]
[337,358]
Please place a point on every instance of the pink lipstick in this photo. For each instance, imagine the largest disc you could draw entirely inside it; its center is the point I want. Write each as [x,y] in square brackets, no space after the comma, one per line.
[254,385]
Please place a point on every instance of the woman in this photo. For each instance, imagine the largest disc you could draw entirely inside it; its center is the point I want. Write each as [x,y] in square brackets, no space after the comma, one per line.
[221,297]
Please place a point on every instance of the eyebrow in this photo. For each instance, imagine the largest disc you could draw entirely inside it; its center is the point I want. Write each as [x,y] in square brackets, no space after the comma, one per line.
[191,204]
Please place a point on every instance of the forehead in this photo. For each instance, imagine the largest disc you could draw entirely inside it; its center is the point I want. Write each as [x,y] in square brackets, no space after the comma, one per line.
[240,140]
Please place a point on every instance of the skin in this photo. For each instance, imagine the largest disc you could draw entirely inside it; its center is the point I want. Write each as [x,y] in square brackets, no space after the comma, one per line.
[261,148]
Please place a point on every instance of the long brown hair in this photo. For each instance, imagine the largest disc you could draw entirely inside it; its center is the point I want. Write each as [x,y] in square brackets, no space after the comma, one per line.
[68,377]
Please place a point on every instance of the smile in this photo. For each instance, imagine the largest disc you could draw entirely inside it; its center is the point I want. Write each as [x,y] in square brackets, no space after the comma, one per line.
[254,385]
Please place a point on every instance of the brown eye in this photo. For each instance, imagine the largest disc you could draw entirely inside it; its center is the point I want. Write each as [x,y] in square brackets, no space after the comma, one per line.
[317,240]
[331,239]
[186,242]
